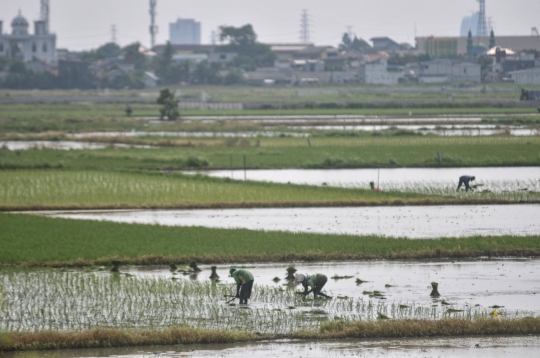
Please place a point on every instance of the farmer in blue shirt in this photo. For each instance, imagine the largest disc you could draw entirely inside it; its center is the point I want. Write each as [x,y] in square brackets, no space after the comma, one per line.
[465,179]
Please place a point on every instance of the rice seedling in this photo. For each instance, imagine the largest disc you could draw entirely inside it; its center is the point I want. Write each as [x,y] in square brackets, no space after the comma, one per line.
[63,300]
[102,189]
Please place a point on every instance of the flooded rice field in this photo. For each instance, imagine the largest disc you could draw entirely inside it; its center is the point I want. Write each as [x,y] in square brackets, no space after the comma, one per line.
[514,284]
[61,299]
[62,145]
[305,131]
[402,179]
[463,347]
[409,221]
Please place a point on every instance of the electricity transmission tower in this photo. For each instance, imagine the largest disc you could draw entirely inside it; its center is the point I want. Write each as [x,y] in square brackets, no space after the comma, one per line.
[45,14]
[113,34]
[153,26]
[304,27]
[482,25]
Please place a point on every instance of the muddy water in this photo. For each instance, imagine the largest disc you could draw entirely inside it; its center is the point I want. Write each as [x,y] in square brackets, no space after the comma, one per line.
[411,222]
[61,145]
[465,347]
[514,284]
[360,178]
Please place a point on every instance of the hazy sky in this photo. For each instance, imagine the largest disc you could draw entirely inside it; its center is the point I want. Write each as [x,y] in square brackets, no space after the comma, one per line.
[84,24]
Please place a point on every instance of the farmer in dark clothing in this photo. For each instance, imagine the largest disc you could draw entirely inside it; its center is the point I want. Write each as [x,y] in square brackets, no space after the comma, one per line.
[465,179]
[244,284]
[314,282]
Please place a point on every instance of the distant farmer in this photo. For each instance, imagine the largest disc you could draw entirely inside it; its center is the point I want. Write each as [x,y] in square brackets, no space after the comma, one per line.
[315,282]
[244,284]
[465,179]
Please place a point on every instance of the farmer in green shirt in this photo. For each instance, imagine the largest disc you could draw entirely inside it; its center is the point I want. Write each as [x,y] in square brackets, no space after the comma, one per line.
[244,284]
[315,282]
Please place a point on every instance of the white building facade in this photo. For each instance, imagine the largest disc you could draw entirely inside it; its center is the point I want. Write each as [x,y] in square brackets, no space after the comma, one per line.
[377,72]
[185,32]
[26,47]
[445,70]
[529,76]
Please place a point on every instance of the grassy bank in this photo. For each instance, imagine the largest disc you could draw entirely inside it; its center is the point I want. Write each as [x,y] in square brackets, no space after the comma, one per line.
[104,337]
[323,152]
[34,240]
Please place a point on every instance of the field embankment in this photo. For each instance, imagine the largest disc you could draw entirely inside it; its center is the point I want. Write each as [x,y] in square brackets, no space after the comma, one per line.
[108,337]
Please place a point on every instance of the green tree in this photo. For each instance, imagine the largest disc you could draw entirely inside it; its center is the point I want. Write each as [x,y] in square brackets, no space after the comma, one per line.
[169,105]
[133,56]
[346,42]
[243,41]
[163,64]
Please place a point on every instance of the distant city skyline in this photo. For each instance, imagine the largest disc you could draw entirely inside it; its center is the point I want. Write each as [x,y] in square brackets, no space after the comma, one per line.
[81,24]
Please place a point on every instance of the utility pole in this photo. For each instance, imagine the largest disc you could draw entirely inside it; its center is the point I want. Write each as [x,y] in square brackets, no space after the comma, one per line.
[153,26]
[45,14]
[304,27]
[113,34]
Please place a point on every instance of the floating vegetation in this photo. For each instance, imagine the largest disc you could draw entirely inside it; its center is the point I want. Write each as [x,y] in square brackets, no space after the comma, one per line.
[453,310]
[388,286]
[276,279]
[359,281]
[173,267]
[336,277]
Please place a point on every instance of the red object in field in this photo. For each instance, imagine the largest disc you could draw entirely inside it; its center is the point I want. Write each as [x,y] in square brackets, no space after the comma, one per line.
[377,189]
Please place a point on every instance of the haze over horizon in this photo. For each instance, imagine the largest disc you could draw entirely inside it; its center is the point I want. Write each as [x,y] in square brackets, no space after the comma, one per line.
[82,25]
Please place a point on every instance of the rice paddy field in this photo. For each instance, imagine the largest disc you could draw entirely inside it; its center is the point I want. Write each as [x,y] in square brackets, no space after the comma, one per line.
[20,189]
[55,300]
[56,288]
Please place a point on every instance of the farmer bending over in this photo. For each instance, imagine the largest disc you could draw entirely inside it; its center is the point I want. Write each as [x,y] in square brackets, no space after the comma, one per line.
[315,282]
[465,179]
[244,284]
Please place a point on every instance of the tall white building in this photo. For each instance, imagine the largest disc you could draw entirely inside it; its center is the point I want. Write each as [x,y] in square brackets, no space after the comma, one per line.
[185,32]
[26,47]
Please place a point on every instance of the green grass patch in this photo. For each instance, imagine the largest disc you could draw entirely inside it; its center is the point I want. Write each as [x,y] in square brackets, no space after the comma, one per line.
[28,238]
[324,152]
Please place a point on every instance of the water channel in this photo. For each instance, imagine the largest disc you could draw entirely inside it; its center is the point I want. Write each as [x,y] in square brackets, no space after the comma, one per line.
[408,221]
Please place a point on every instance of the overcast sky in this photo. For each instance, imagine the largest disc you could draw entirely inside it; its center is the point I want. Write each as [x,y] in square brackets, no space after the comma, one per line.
[85,24]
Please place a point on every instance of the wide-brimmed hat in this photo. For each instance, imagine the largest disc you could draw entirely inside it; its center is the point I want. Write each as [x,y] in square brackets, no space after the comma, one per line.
[299,278]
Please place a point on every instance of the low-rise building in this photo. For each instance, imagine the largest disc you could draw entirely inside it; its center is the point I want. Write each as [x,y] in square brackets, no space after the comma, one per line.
[445,70]
[378,72]
[530,76]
